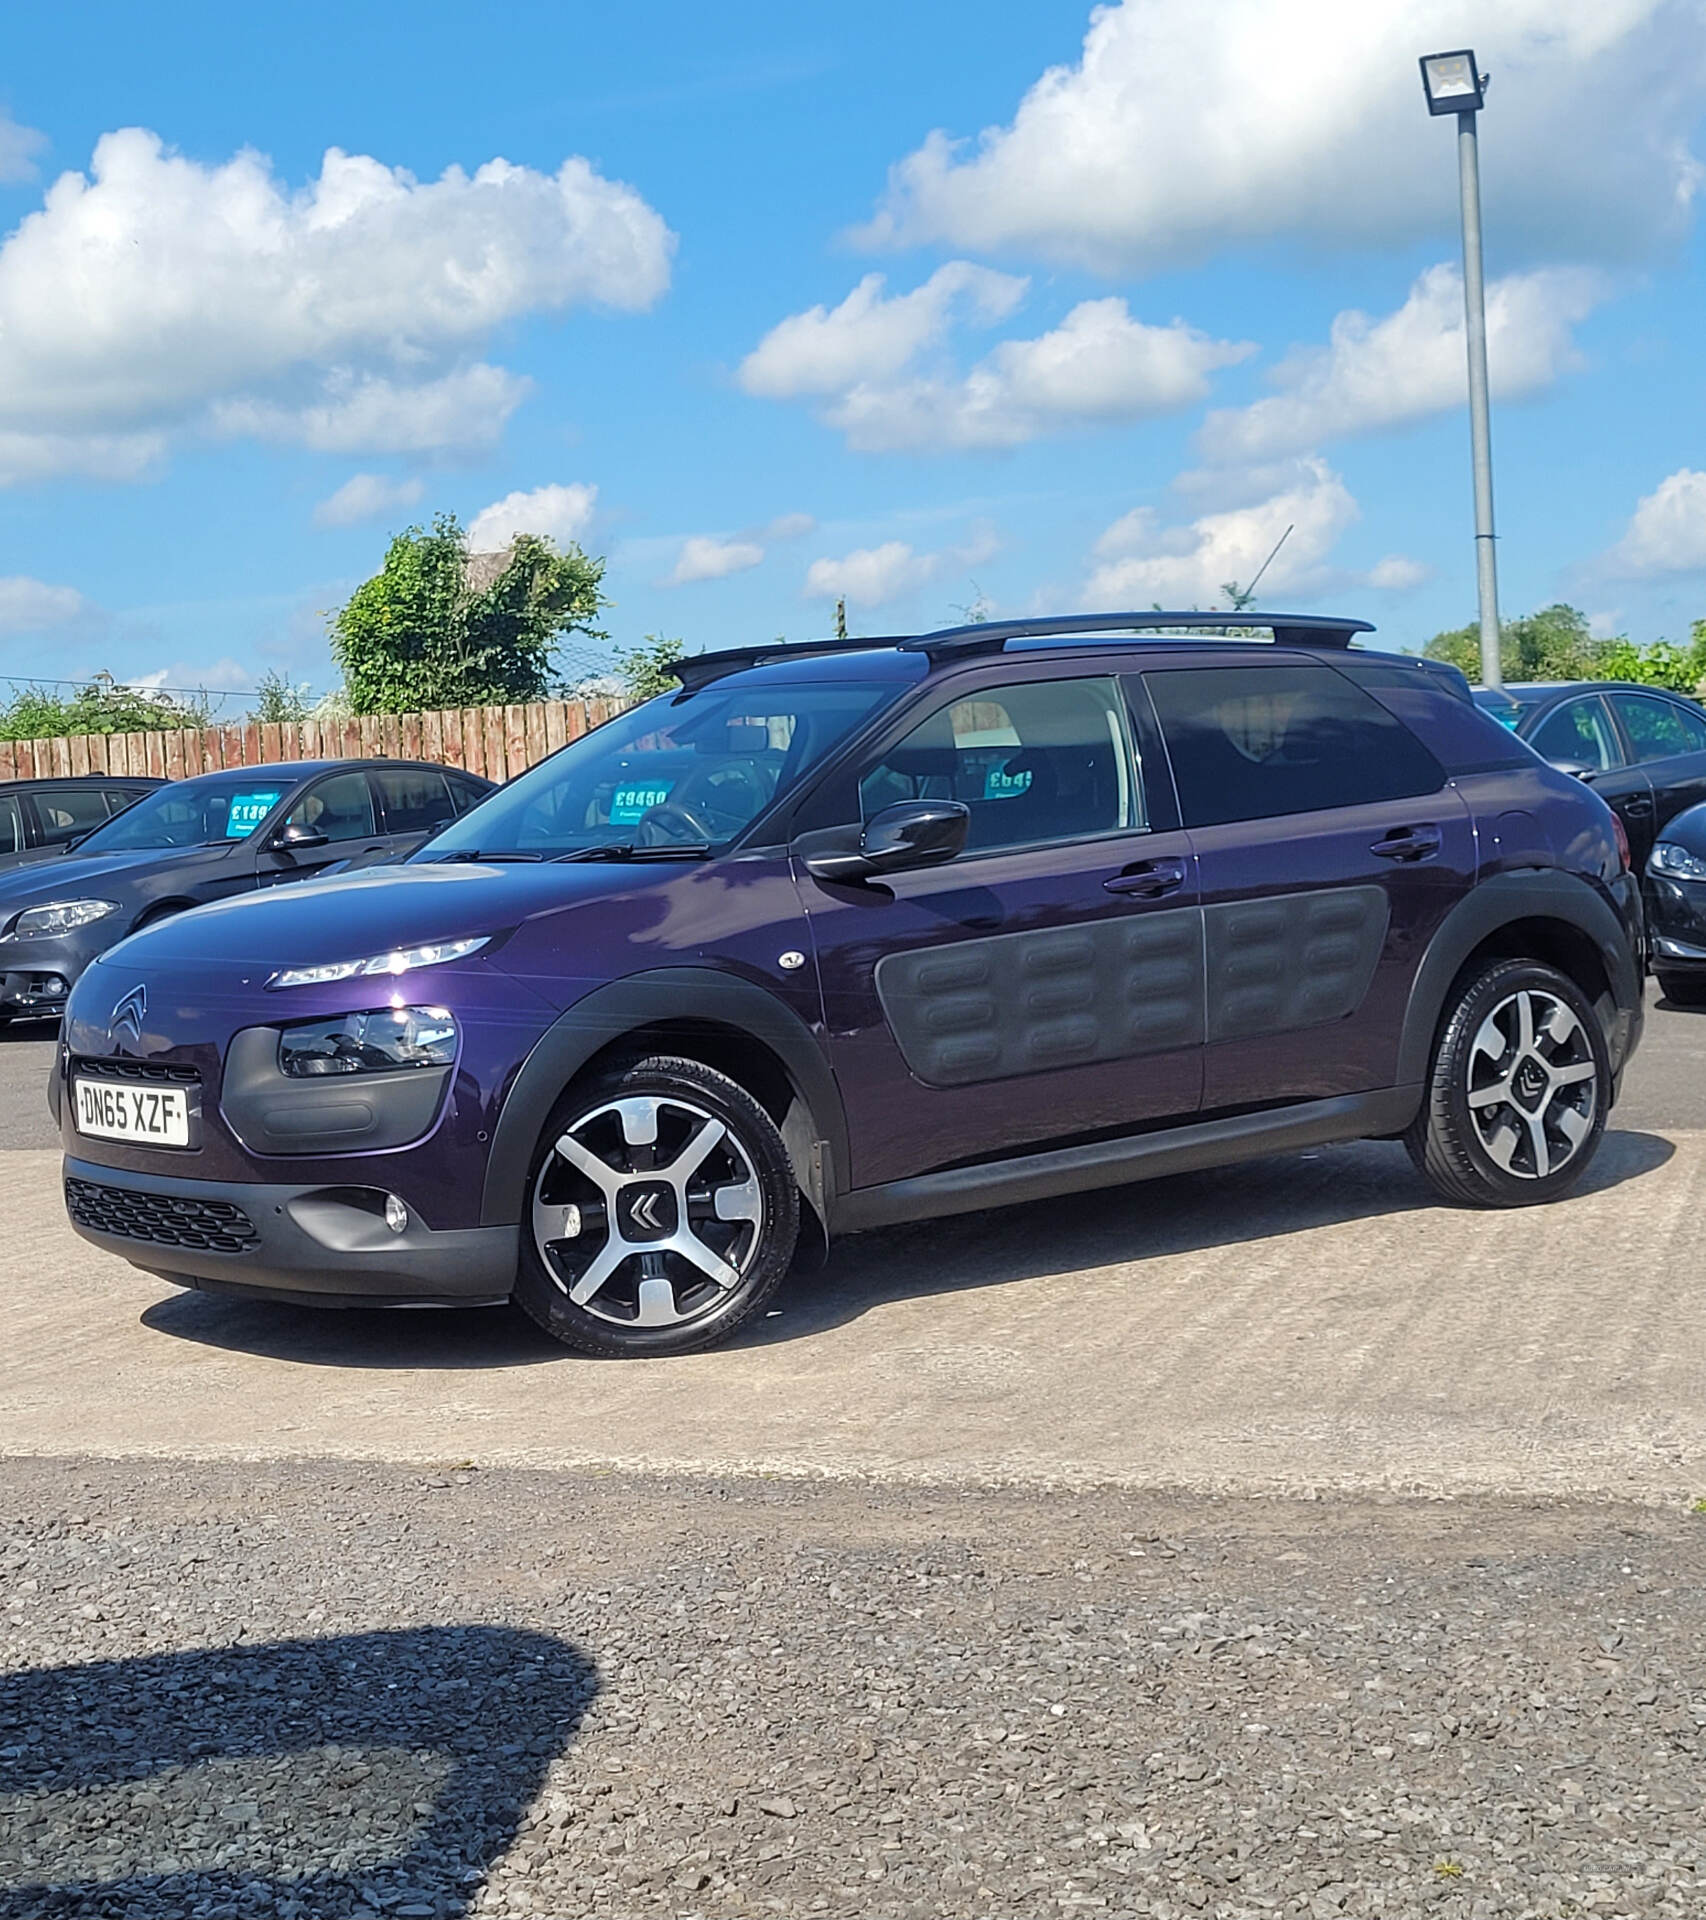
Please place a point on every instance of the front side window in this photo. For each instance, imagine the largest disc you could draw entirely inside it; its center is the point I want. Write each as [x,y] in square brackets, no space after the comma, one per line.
[1578,733]
[341,808]
[682,772]
[68,811]
[206,811]
[1035,763]
[1659,728]
[1253,743]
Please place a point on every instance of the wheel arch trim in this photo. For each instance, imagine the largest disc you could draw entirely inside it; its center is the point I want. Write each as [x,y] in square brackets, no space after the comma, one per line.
[1500,901]
[666,994]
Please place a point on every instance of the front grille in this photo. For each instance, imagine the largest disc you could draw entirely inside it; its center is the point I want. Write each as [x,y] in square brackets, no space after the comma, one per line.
[111,1067]
[168,1220]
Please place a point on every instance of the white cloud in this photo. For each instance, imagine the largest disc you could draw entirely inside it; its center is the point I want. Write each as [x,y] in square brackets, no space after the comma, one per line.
[1187,127]
[223,676]
[558,513]
[31,606]
[1143,562]
[323,314]
[464,412]
[1667,533]
[1382,373]
[860,362]
[88,456]
[1397,573]
[872,336]
[790,526]
[873,576]
[18,148]
[703,558]
[365,496]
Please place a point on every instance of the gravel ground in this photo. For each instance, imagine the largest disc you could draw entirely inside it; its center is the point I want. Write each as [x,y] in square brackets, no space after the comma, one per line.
[326,1690]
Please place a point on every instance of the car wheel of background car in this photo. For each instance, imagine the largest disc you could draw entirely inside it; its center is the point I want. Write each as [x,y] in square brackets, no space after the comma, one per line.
[1684,989]
[1516,1098]
[662,1211]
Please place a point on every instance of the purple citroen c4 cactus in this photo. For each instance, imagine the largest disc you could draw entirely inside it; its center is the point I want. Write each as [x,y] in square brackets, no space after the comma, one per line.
[846,934]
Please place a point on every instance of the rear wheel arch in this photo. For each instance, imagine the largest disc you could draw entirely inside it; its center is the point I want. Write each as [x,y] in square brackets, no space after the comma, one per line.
[698,1013]
[1549,916]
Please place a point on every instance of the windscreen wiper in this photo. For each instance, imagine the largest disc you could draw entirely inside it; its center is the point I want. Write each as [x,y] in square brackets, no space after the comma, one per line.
[474,853]
[626,850]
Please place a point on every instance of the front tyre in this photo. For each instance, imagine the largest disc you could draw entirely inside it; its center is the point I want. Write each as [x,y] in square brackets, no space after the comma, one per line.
[1517,1094]
[662,1211]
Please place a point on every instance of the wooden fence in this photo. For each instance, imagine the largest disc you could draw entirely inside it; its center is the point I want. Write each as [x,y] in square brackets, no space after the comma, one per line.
[495,741]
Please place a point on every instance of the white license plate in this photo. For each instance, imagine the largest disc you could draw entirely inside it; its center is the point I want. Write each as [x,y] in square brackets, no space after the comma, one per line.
[115,1110]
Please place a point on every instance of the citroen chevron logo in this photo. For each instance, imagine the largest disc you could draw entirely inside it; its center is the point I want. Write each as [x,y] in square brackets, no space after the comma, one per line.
[128,1015]
[644,1212]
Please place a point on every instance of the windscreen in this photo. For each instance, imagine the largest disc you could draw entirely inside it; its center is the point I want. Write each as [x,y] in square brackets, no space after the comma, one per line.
[190,813]
[689,772]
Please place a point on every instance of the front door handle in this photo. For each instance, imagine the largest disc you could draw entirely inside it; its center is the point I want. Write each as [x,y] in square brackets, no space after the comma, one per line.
[1408,843]
[1148,879]
[1638,805]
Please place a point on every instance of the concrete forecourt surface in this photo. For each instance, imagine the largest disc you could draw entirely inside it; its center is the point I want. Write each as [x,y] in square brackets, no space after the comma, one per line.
[1268,1541]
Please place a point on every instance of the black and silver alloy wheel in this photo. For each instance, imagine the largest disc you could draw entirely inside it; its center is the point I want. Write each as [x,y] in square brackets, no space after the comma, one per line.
[662,1212]
[1516,1098]
[1533,1084]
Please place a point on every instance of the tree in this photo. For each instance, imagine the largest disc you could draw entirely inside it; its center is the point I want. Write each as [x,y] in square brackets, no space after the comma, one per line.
[279,699]
[645,669]
[1555,644]
[102,706]
[436,627]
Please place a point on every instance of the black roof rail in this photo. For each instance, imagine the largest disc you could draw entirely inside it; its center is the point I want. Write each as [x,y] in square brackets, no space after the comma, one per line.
[990,636]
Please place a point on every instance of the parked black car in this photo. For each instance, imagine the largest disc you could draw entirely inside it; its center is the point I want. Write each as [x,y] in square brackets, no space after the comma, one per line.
[845,934]
[1676,907]
[39,818]
[206,839]
[1643,751]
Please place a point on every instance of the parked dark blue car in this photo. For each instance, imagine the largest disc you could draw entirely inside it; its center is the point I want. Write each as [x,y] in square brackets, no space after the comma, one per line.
[855,933]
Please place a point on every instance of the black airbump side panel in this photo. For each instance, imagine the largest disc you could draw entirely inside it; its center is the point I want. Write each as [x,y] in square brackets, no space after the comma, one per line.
[1292,960]
[1016,1003]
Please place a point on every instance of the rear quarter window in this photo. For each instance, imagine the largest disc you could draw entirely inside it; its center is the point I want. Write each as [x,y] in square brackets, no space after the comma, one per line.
[1461,736]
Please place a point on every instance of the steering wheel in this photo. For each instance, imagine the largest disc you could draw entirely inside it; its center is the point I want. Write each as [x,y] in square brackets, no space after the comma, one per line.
[667,819]
[733,790]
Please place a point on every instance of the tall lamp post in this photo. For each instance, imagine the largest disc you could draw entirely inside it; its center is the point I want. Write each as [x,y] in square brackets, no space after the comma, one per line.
[1454,84]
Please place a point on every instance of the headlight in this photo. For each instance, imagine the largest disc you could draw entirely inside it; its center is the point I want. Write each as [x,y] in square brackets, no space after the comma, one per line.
[369,1042]
[1668,857]
[403,960]
[61,916]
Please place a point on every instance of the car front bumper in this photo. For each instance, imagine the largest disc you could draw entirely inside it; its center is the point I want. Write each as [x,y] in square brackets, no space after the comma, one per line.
[314,1245]
[37,974]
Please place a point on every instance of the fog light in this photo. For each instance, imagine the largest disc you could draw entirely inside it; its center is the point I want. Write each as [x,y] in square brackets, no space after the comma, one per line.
[396,1214]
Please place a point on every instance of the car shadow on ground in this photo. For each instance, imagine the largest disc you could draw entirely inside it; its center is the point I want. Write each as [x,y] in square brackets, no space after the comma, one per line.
[1227,1207]
[318,1777]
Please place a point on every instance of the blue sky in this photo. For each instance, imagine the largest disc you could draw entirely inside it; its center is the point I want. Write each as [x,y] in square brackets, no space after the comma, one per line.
[1147,298]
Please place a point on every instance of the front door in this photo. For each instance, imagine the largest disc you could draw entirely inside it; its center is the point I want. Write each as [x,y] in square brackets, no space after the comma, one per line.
[338,809]
[1329,848]
[1046,983]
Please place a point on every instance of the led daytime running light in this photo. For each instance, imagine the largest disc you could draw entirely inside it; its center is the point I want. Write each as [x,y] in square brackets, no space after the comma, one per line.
[399,960]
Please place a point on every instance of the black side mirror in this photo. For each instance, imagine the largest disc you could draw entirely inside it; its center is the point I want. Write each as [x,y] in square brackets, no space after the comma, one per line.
[1576,769]
[295,835]
[911,833]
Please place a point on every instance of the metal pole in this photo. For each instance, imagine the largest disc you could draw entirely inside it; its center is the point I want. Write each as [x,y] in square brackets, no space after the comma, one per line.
[1480,420]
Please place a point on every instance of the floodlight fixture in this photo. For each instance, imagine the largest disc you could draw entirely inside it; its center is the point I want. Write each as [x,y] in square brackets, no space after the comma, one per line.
[1453,82]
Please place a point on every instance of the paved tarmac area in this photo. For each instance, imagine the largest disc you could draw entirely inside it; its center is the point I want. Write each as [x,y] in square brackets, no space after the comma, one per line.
[331,1689]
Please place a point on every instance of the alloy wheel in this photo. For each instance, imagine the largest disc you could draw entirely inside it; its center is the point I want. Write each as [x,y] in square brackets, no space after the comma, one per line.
[1533,1084]
[648,1211]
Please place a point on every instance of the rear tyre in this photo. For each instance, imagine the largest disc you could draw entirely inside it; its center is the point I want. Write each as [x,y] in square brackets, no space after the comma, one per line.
[1517,1093]
[1684,989]
[662,1212]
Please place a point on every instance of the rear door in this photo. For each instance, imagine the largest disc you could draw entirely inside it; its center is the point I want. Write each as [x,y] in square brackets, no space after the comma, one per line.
[1046,983]
[414,802]
[1666,739]
[1581,733]
[1329,847]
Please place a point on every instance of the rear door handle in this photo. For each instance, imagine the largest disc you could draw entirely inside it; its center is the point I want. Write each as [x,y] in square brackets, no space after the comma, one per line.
[1638,803]
[1408,843]
[1148,879]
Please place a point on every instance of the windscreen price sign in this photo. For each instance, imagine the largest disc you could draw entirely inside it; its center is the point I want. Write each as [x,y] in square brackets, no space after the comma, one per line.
[247,811]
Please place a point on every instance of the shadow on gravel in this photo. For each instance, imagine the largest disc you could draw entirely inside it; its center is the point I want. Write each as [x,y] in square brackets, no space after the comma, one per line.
[1229,1207]
[362,1773]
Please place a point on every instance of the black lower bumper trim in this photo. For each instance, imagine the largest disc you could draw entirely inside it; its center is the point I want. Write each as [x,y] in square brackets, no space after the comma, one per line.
[314,1245]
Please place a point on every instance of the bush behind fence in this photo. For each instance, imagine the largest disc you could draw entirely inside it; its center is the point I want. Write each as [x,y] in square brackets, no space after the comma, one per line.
[498,742]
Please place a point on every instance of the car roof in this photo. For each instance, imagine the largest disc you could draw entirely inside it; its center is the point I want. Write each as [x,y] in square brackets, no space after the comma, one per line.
[82,780]
[947,645]
[1532,692]
[294,771]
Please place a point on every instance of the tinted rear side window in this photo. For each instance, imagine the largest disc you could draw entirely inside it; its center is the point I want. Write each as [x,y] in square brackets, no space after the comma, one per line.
[415,799]
[1251,743]
[65,812]
[1463,737]
[1659,728]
